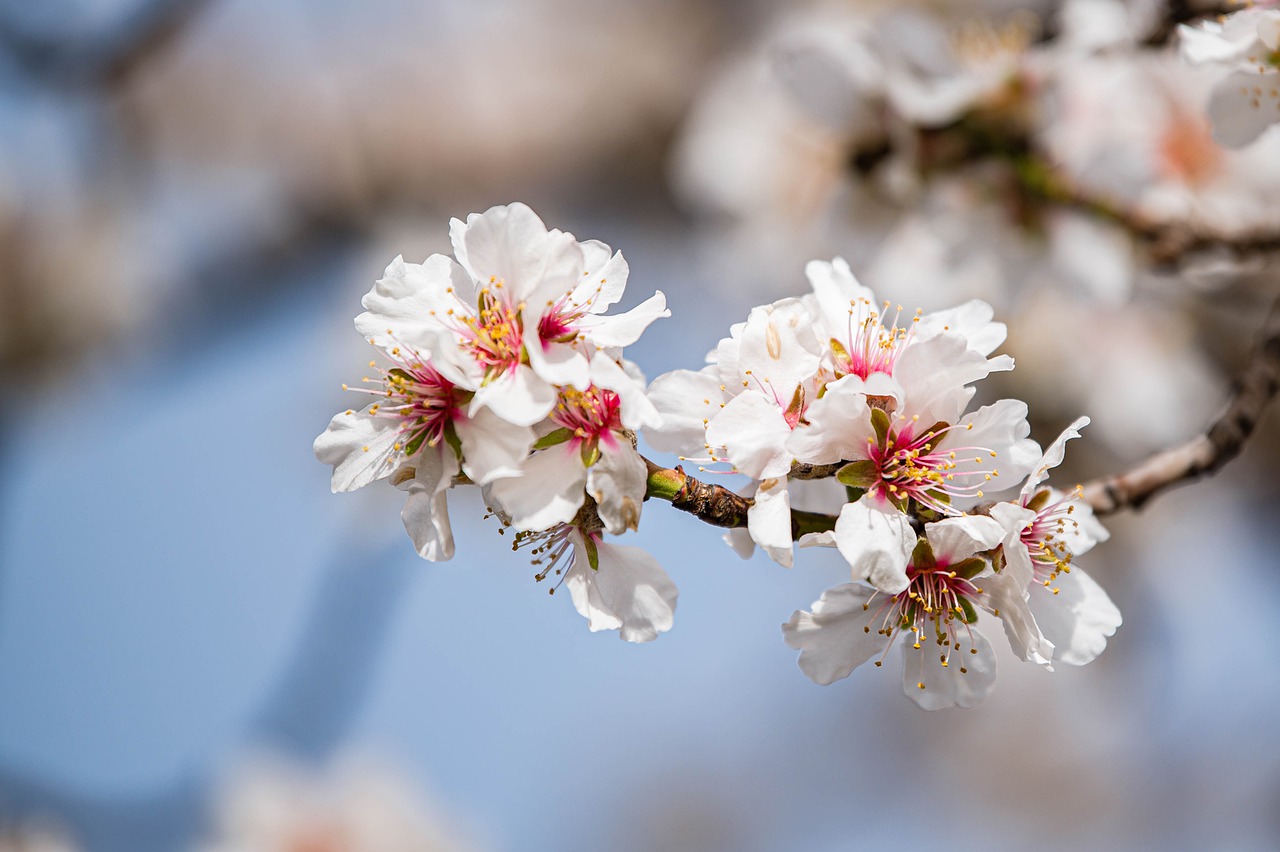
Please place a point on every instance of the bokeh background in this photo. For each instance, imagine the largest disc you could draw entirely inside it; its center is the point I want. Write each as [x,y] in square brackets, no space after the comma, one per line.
[202,648]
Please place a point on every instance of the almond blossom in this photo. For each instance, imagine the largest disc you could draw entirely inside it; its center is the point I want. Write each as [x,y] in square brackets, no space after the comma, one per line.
[1247,101]
[525,305]
[742,410]
[948,663]
[1047,529]
[587,448]
[481,350]
[615,587]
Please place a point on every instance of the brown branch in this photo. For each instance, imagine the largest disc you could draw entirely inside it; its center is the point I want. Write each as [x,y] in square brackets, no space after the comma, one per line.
[1206,453]
[717,505]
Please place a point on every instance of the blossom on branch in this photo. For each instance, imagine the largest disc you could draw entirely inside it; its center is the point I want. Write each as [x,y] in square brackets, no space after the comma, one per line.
[1247,101]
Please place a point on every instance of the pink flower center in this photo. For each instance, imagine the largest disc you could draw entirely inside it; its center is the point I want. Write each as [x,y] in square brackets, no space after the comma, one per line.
[1046,540]
[495,333]
[591,415]
[871,347]
[925,469]
[937,604]
[423,400]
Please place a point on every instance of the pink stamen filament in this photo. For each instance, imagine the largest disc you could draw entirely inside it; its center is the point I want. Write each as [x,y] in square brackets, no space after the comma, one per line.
[871,347]
[933,595]
[918,468]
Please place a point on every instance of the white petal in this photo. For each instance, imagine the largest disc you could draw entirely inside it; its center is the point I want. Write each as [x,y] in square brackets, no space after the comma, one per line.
[558,363]
[839,425]
[876,540]
[838,636]
[956,539]
[780,349]
[1238,115]
[405,305]
[1078,619]
[972,321]
[510,245]
[949,686]
[1205,43]
[492,448]
[754,434]
[1007,594]
[1001,428]
[549,492]
[835,286]
[617,483]
[685,401]
[426,513]
[630,592]
[637,411]
[741,542]
[933,373]
[361,448]
[769,520]
[1052,458]
[520,397]
[624,329]
[1269,29]
[605,277]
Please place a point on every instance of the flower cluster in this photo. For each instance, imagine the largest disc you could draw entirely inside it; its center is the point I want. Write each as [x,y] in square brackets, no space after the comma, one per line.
[504,371]
[838,385]
[1247,44]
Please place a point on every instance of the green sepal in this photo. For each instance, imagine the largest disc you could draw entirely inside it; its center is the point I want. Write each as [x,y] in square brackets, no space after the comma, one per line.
[415,443]
[880,422]
[593,553]
[935,428]
[451,438]
[400,374]
[557,436]
[922,556]
[858,474]
[1039,501]
[853,495]
[970,614]
[590,452]
[969,568]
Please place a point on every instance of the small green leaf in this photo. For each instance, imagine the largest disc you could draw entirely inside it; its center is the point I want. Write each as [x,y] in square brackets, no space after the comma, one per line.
[415,443]
[922,556]
[558,436]
[590,452]
[593,553]
[451,438]
[859,474]
[970,614]
[970,568]
[1039,501]
[853,495]
[938,434]
[880,422]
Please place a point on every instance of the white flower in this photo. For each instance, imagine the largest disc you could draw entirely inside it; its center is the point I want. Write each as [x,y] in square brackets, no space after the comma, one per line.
[1246,102]
[522,303]
[1046,531]
[421,432]
[948,662]
[743,408]
[863,337]
[587,445]
[615,587]
[355,805]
